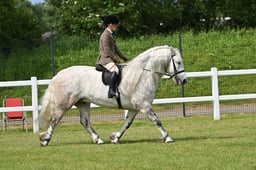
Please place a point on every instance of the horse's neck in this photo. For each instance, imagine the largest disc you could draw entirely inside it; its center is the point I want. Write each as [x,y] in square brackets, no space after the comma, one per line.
[132,80]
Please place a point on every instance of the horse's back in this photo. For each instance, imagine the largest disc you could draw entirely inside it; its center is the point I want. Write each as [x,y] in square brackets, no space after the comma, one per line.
[75,78]
[74,73]
[75,70]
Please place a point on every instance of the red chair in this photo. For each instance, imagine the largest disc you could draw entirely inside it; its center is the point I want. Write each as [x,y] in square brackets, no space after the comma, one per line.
[14,116]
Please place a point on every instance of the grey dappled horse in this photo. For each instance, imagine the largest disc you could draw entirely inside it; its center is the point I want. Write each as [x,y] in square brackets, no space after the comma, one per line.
[82,85]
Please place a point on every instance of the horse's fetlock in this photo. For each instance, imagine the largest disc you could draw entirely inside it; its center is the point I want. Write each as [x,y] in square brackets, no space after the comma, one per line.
[114,137]
[44,138]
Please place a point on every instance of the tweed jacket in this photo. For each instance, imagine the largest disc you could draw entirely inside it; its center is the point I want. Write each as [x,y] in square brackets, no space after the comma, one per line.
[109,52]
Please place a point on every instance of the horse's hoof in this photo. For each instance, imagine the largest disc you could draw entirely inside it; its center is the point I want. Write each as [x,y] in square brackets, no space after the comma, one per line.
[113,138]
[168,139]
[43,143]
[100,141]
[96,139]
[44,139]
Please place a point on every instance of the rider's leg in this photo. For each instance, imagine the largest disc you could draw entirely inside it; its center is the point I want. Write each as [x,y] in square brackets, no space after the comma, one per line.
[112,85]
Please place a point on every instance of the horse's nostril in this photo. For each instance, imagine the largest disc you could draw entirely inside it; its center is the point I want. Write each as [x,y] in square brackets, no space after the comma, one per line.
[184,81]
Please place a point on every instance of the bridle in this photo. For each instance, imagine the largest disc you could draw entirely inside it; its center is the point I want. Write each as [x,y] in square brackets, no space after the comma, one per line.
[175,71]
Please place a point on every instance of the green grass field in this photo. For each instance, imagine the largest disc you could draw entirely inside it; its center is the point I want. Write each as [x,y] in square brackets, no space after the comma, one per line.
[200,143]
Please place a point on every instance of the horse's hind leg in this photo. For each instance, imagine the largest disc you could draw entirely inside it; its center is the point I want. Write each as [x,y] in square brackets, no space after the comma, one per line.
[45,137]
[84,109]
[152,116]
[115,136]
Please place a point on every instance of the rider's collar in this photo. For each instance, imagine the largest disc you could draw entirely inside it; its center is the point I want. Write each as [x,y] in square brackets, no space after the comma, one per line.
[109,30]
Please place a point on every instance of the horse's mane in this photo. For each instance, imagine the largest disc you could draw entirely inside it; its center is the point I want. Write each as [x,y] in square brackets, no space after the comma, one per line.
[143,61]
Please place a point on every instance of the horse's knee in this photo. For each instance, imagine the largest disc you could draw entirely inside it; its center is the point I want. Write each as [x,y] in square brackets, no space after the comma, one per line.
[155,120]
[158,122]
[84,122]
[128,125]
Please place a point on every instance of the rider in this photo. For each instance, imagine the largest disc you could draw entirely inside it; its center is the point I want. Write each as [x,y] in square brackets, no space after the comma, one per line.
[110,55]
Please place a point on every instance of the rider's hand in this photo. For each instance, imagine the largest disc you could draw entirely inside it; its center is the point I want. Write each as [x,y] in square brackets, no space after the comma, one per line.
[125,59]
[117,61]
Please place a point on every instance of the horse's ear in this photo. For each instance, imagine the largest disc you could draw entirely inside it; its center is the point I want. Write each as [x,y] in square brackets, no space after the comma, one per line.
[149,65]
[172,51]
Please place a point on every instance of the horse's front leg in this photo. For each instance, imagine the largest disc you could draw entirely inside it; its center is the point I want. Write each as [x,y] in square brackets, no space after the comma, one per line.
[153,117]
[85,121]
[115,136]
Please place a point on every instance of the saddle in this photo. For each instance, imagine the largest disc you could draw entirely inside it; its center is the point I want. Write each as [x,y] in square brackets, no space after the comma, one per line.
[106,74]
[106,79]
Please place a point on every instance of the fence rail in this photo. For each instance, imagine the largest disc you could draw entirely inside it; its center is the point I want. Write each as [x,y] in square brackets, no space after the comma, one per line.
[215,97]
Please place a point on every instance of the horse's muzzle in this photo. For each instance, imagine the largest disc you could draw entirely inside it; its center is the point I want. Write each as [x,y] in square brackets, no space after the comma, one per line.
[184,81]
[180,82]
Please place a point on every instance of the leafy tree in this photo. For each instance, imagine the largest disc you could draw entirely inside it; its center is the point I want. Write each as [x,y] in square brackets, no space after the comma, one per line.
[138,17]
[84,17]
[154,16]
[7,28]
[242,13]
[19,27]
[80,17]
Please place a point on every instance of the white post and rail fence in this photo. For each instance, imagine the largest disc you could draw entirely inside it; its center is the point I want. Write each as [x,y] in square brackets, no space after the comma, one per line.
[215,97]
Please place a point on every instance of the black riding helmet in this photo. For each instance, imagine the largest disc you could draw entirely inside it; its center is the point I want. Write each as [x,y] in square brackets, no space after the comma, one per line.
[110,19]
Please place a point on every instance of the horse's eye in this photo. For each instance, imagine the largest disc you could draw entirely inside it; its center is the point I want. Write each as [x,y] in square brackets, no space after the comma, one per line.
[178,62]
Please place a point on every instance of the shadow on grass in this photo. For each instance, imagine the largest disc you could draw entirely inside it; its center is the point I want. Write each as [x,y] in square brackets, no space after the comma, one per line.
[189,138]
[106,142]
[192,138]
[127,141]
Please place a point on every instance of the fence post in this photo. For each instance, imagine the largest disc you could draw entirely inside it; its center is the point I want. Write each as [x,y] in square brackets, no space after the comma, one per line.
[182,86]
[215,94]
[35,104]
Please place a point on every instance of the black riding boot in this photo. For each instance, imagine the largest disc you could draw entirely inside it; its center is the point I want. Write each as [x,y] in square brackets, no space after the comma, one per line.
[112,85]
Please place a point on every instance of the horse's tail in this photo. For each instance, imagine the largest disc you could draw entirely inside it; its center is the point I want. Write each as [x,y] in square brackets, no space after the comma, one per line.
[48,108]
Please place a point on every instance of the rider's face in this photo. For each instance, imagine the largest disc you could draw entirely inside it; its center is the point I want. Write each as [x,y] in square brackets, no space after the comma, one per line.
[113,27]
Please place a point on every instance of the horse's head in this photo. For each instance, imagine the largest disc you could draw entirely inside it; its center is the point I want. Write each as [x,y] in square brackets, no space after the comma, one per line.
[175,67]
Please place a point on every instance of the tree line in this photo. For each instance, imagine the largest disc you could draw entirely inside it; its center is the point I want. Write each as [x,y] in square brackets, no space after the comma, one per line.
[22,23]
